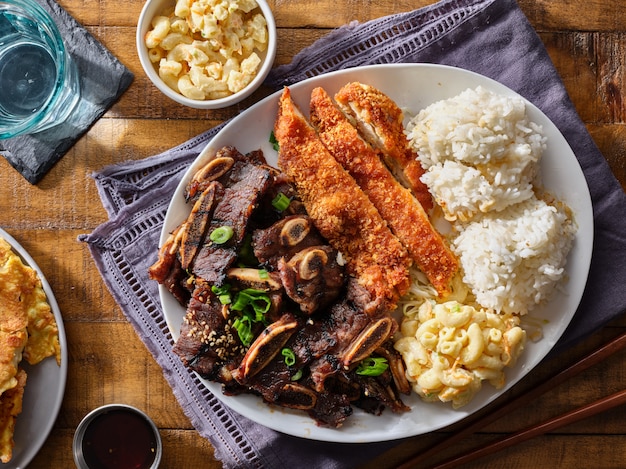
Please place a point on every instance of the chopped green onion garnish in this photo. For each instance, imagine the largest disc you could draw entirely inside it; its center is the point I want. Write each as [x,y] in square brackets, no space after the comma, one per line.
[257,299]
[297,375]
[240,303]
[281,202]
[222,293]
[253,305]
[225,299]
[243,325]
[263,274]
[372,367]
[225,288]
[290,357]
[221,234]
[273,141]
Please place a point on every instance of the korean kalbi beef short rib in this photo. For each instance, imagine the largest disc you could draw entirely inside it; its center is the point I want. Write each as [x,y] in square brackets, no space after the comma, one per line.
[317,312]
[308,269]
[243,186]
[208,344]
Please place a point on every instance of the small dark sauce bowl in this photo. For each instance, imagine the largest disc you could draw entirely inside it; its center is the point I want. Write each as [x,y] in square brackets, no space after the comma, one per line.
[117,436]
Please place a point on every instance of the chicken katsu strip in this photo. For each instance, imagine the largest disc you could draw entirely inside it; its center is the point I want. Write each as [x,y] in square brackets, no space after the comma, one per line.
[339,209]
[379,119]
[404,214]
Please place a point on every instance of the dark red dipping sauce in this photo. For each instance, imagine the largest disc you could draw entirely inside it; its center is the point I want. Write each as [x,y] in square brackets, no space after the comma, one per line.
[119,439]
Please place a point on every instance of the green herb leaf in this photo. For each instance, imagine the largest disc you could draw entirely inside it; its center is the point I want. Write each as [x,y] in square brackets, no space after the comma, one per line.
[372,366]
[273,141]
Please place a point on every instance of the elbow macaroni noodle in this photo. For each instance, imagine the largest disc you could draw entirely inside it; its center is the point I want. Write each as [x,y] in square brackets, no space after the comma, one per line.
[450,348]
[208,49]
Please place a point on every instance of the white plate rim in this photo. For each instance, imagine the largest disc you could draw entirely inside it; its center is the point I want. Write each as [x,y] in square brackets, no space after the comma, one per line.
[359,429]
[35,423]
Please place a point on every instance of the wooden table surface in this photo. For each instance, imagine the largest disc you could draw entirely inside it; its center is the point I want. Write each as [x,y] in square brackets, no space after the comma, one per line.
[107,362]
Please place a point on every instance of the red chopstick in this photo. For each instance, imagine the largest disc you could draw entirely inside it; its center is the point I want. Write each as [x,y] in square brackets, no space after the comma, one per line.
[603,352]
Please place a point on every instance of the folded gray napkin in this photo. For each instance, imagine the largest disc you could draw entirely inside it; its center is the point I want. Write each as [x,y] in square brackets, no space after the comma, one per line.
[492,37]
[103,79]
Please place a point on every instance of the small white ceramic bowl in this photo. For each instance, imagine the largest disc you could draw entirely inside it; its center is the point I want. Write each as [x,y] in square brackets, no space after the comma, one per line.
[153,8]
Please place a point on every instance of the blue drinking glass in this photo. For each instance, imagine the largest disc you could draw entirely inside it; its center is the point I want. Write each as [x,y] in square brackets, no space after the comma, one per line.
[39,84]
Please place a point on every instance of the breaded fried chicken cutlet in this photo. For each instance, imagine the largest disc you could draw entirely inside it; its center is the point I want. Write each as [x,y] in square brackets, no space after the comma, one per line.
[397,206]
[340,210]
[379,119]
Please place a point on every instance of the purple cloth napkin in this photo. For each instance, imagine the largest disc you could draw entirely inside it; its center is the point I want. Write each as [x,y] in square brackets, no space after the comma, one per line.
[490,37]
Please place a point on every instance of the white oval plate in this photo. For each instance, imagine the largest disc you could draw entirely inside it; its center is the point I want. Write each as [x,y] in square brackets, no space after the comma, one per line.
[45,383]
[412,86]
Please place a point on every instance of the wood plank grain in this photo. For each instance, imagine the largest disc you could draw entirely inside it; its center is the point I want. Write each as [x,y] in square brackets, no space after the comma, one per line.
[109,364]
[591,65]
[611,57]
[611,139]
[574,57]
[599,15]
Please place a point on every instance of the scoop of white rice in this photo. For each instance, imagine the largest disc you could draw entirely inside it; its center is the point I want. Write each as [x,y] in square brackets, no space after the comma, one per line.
[513,259]
[480,151]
